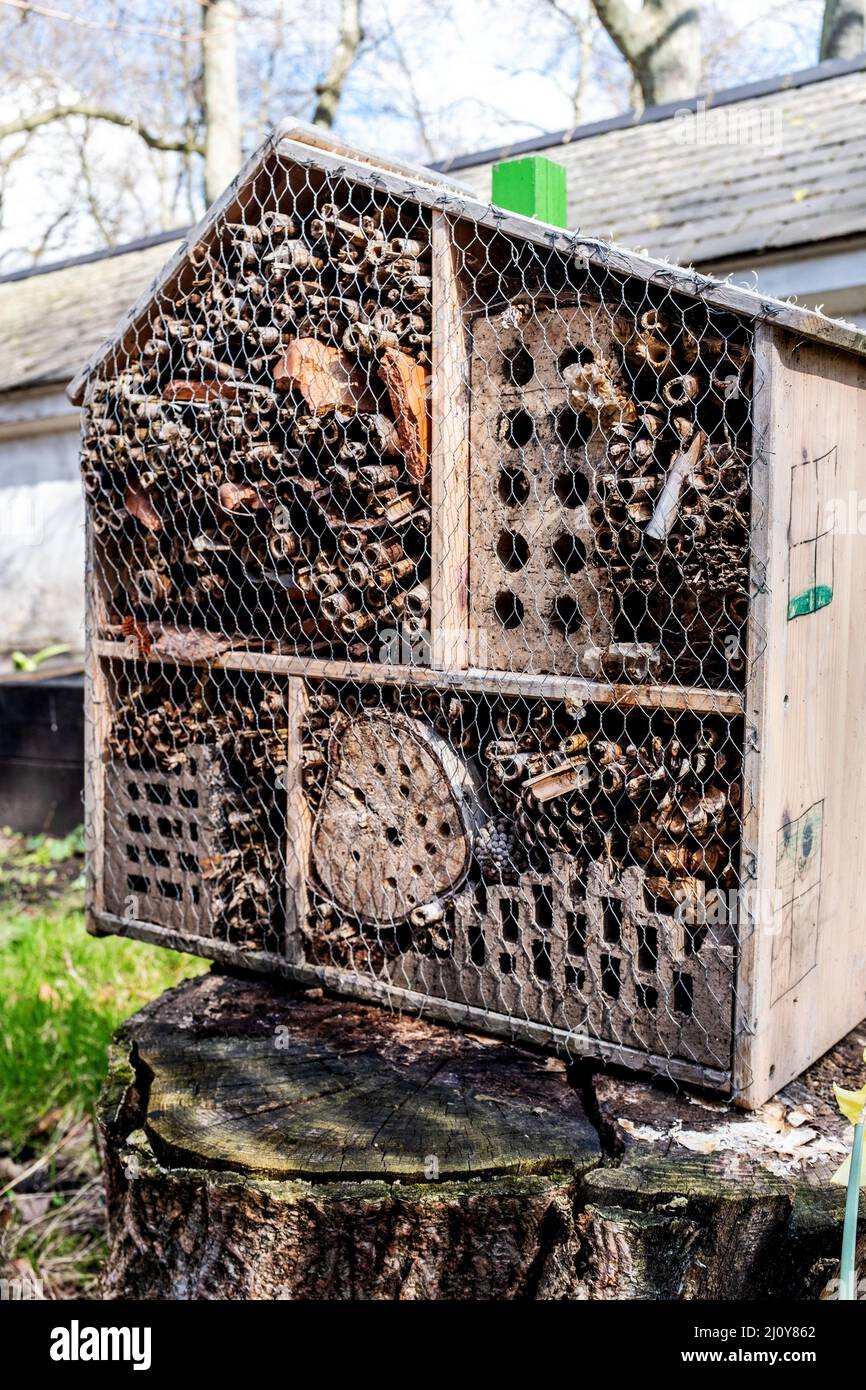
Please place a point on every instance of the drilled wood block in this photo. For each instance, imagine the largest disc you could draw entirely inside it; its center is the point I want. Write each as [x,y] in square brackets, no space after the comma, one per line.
[395,825]
[589,554]
[538,601]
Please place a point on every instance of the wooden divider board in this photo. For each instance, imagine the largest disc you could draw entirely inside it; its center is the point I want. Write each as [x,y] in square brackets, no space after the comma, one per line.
[97,719]
[471,678]
[449,461]
[299,828]
[802,978]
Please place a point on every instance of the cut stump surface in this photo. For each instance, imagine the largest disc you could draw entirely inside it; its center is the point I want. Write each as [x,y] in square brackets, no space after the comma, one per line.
[324,1089]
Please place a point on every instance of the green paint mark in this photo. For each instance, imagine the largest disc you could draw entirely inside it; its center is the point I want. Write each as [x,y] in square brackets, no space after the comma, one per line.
[809,601]
[535,186]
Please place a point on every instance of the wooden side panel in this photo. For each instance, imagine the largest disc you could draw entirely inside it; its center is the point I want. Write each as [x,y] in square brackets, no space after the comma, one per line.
[449,463]
[298,823]
[802,980]
[96,723]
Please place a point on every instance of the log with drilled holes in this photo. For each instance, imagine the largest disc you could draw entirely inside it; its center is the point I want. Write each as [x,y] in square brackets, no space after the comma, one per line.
[262,1143]
[399,804]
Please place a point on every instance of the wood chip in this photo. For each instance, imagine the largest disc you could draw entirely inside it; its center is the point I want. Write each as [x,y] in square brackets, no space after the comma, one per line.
[236,497]
[697,1142]
[773,1109]
[800,1115]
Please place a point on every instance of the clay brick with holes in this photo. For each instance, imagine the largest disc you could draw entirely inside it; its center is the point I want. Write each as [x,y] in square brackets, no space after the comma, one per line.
[162,838]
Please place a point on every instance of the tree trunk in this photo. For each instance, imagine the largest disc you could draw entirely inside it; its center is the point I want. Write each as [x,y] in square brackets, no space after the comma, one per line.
[843,33]
[330,89]
[222,154]
[661,43]
[262,1143]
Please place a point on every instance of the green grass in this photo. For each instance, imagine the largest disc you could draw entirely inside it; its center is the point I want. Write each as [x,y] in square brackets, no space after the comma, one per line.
[62,994]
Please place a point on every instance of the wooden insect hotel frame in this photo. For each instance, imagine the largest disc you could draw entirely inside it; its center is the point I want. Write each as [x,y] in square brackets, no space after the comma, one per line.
[475,625]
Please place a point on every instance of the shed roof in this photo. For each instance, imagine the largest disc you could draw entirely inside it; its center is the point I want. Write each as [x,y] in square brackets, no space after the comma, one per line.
[51,318]
[756,168]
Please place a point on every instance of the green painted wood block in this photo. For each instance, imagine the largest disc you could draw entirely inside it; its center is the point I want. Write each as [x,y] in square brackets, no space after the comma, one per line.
[535,186]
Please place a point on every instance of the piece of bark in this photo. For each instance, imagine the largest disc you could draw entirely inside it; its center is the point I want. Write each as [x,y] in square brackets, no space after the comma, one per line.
[406,382]
[369,851]
[241,497]
[325,376]
[138,504]
[187,644]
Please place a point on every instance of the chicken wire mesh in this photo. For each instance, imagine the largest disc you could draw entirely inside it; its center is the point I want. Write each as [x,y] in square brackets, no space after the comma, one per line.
[419,599]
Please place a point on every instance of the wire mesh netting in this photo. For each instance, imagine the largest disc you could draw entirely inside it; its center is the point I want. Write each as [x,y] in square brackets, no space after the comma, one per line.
[418,678]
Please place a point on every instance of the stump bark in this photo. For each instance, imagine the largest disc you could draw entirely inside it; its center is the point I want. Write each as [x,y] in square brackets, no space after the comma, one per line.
[266,1143]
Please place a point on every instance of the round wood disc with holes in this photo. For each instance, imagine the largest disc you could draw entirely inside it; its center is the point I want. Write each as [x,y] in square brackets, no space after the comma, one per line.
[394,830]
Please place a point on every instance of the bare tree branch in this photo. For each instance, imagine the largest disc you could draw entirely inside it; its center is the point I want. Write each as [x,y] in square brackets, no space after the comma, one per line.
[580,26]
[25,124]
[330,89]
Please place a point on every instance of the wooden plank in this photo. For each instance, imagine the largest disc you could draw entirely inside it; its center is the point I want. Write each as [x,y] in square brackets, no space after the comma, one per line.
[54,670]
[449,460]
[97,719]
[763,576]
[299,828]
[474,679]
[803,970]
[320,139]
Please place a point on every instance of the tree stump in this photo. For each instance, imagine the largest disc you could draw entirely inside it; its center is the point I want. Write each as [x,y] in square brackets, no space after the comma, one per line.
[266,1143]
